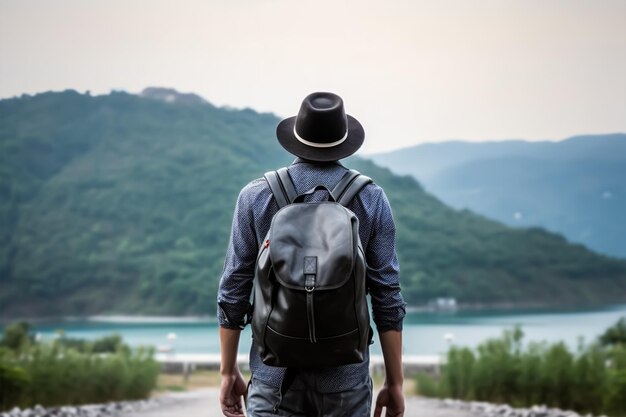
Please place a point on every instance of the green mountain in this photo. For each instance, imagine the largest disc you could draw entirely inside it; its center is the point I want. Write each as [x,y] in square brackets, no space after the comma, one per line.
[123,203]
[576,187]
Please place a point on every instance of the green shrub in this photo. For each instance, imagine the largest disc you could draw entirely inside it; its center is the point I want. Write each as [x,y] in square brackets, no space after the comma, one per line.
[61,373]
[105,344]
[16,336]
[458,378]
[427,385]
[615,398]
[529,375]
[591,380]
[14,382]
[558,376]
[616,334]
[495,372]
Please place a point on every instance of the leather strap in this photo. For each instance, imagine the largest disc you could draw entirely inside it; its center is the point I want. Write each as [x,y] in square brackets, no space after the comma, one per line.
[280,195]
[310,315]
[288,187]
[350,184]
[344,182]
[284,191]
[310,273]
[353,189]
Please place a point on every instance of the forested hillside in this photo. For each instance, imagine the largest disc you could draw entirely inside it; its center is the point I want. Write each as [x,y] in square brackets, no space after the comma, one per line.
[123,203]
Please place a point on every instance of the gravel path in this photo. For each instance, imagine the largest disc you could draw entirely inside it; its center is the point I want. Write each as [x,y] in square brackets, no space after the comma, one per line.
[204,403]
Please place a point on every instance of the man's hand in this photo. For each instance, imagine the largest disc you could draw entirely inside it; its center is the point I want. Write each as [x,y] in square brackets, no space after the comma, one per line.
[391,397]
[233,385]
[232,389]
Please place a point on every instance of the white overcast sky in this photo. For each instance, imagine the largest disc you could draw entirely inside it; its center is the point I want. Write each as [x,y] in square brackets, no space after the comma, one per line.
[411,71]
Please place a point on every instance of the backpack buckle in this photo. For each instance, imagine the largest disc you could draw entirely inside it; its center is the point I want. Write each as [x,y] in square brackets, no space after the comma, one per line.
[310,270]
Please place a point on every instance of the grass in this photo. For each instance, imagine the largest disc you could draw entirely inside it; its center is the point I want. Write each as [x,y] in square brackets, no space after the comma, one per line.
[196,380]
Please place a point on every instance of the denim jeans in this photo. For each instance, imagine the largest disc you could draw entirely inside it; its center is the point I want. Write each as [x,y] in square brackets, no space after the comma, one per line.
[304,400]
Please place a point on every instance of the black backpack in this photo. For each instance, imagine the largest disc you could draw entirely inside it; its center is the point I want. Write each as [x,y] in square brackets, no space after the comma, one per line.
[310,308]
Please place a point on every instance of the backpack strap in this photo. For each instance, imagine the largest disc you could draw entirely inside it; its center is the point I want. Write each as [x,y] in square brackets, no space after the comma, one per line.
[349,185]
[281,186]
[288,186]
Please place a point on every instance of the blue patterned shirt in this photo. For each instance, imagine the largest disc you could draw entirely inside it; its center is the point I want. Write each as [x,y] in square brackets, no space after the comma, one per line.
[251,222]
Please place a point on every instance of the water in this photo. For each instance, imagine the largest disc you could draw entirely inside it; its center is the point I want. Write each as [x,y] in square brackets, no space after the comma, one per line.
[423,332]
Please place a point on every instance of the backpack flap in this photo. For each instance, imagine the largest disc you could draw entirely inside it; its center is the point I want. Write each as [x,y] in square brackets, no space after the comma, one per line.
[331,245]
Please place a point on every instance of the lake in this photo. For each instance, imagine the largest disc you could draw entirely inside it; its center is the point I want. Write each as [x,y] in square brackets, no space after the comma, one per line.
[424,332]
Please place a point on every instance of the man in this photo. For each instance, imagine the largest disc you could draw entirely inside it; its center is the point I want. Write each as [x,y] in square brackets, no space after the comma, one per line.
[320,135]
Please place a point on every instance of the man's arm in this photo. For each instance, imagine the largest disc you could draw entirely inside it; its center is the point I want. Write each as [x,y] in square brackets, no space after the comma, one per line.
[391,395]
[383,270]
[387,305]
[233,302]
[233,386]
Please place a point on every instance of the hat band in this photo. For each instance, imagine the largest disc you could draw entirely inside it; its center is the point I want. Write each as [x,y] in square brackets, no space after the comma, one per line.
[317,144]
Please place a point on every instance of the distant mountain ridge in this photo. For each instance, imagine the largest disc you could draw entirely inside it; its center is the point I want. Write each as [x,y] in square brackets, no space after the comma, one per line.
[576,187]
[123,204]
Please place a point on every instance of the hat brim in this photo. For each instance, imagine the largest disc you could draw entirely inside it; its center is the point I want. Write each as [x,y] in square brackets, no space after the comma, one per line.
[287,139]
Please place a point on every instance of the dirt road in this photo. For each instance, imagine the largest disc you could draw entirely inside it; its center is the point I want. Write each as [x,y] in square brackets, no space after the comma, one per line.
[204,403]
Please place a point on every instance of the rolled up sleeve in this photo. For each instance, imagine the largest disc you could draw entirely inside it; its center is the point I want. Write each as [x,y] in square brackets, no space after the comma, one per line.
[383,273]
[233,295]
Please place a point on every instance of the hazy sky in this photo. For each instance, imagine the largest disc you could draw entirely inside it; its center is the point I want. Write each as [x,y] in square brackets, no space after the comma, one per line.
[410,71]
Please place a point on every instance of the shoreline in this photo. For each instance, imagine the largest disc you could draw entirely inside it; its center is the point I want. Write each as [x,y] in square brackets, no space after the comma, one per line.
[529,308]
[114,318]
[503,308]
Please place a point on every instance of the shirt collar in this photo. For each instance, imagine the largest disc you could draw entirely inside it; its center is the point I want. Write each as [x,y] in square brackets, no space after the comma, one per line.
[299,160]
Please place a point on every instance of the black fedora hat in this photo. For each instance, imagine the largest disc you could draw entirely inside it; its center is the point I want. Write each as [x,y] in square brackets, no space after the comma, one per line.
[322,131]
